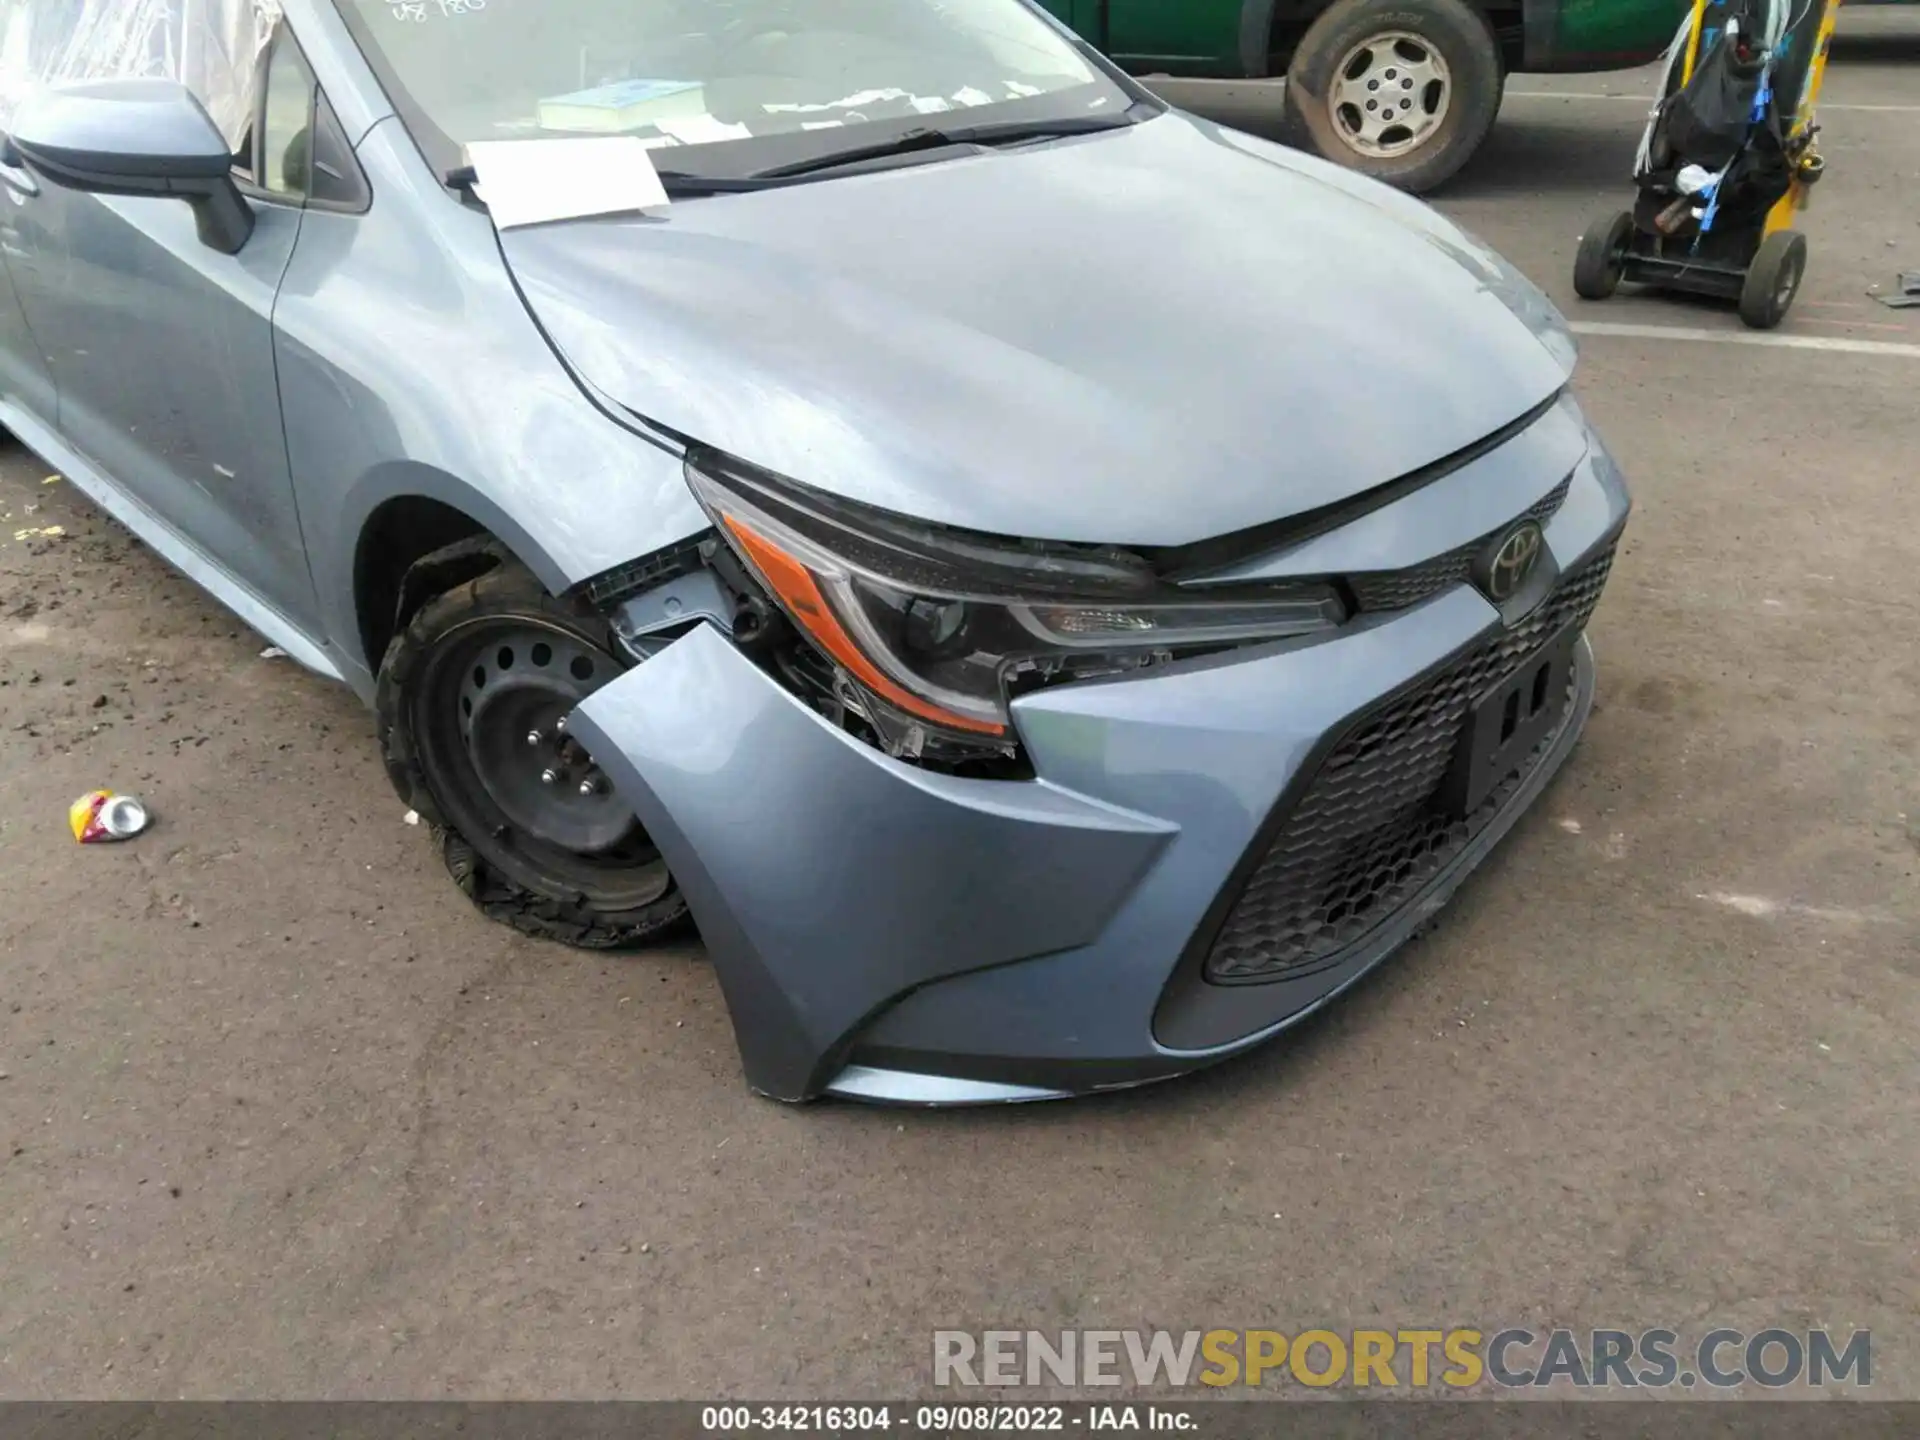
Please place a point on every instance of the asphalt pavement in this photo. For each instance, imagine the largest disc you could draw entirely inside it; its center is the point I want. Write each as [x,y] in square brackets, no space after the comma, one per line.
[280,1116]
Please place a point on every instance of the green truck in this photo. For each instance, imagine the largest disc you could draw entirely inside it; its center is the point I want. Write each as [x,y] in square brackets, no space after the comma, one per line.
[1405,90]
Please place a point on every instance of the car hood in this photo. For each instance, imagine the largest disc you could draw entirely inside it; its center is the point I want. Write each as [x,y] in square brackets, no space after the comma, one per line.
[1147,337]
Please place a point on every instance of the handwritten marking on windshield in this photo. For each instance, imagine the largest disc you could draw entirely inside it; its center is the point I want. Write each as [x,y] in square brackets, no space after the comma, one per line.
[415,11]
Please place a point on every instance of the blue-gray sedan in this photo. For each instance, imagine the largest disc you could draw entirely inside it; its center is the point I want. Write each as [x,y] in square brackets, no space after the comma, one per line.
[1056,589]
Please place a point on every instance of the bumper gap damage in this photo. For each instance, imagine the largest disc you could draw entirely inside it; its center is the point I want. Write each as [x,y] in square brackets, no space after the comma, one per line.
[827,879]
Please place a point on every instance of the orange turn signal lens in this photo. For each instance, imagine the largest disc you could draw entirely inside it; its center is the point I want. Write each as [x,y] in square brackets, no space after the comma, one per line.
[800,593]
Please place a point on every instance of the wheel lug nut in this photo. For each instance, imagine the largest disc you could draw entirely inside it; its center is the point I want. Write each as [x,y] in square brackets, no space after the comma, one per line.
[560,726]
[534,737]
[590,786]
[551,776]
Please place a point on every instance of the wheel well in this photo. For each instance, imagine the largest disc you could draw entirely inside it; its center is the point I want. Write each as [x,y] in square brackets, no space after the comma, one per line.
[399,534]
[1510,30]
[1290,21]
[1292,17]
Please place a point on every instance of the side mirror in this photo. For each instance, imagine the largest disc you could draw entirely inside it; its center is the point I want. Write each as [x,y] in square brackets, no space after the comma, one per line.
[135,137]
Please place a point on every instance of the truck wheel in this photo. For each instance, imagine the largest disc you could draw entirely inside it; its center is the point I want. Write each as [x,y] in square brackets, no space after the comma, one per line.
[470,706]
[1402,90]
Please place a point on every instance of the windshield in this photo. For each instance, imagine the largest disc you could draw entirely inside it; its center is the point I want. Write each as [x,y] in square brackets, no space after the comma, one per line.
[726,84]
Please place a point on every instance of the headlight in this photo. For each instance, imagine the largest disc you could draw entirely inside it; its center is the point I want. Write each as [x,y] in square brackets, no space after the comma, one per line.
[934,623]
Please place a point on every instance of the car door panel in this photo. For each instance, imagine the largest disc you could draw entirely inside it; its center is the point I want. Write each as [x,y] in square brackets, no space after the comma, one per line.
[24,378]
[161,349]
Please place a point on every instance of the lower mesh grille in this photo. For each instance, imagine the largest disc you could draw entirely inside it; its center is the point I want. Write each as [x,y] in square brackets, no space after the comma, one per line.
[1369,832]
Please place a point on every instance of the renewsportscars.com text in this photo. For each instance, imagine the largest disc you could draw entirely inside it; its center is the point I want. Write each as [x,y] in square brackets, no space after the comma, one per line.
[1459,1358]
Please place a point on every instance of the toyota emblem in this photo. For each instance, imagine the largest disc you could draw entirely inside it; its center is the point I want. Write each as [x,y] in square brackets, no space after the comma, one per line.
[1512,561]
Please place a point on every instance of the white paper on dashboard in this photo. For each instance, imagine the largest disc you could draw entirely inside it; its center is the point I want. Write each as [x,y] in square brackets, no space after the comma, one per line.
[527,182]
[702,130]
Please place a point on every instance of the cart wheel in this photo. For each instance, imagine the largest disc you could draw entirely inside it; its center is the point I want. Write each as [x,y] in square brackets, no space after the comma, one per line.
[1773,279]
[1601,262]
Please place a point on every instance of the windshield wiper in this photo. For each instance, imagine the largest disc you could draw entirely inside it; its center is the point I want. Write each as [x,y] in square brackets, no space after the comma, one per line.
[908,142]
[680,182]
[926,137]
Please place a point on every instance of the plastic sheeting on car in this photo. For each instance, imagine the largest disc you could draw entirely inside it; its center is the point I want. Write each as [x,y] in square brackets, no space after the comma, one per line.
[211,46]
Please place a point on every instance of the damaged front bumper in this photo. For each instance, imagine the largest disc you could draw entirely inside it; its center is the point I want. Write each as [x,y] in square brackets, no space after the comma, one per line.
[888,932]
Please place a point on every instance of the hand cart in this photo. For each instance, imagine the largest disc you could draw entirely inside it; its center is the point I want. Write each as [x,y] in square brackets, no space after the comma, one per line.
[1726,163]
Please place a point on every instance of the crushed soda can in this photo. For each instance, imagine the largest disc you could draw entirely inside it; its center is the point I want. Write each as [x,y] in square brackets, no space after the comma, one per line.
[100,816]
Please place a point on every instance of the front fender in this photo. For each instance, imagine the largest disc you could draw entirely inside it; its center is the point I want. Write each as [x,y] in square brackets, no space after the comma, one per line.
[539,534]
[408,365]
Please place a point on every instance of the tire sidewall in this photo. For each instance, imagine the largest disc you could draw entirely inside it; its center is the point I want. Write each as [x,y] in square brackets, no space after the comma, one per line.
[1600,265]
[1761,305]
[504,888]
[1464,40]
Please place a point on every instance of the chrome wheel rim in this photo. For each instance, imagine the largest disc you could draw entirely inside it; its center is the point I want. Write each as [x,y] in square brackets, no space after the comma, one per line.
[1389,95]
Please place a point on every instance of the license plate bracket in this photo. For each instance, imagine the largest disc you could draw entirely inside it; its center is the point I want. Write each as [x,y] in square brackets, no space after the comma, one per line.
[1508,719]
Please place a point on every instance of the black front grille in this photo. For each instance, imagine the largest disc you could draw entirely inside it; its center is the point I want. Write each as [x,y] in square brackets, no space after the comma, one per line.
[1369,831]
[1397,589]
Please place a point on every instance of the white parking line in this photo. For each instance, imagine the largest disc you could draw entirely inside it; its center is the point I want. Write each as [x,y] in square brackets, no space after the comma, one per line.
[1888,348]
[1647,100]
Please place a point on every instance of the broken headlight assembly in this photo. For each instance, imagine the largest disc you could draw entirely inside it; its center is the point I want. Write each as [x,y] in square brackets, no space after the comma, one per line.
[929,632]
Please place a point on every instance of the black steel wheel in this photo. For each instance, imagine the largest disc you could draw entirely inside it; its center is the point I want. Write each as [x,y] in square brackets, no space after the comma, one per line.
[1601,260]
[473,699]
[1773,279]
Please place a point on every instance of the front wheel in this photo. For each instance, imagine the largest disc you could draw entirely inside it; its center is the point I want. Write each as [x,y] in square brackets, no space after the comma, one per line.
[1599,265]
[472,704]
[1402,90]
[1773,279]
